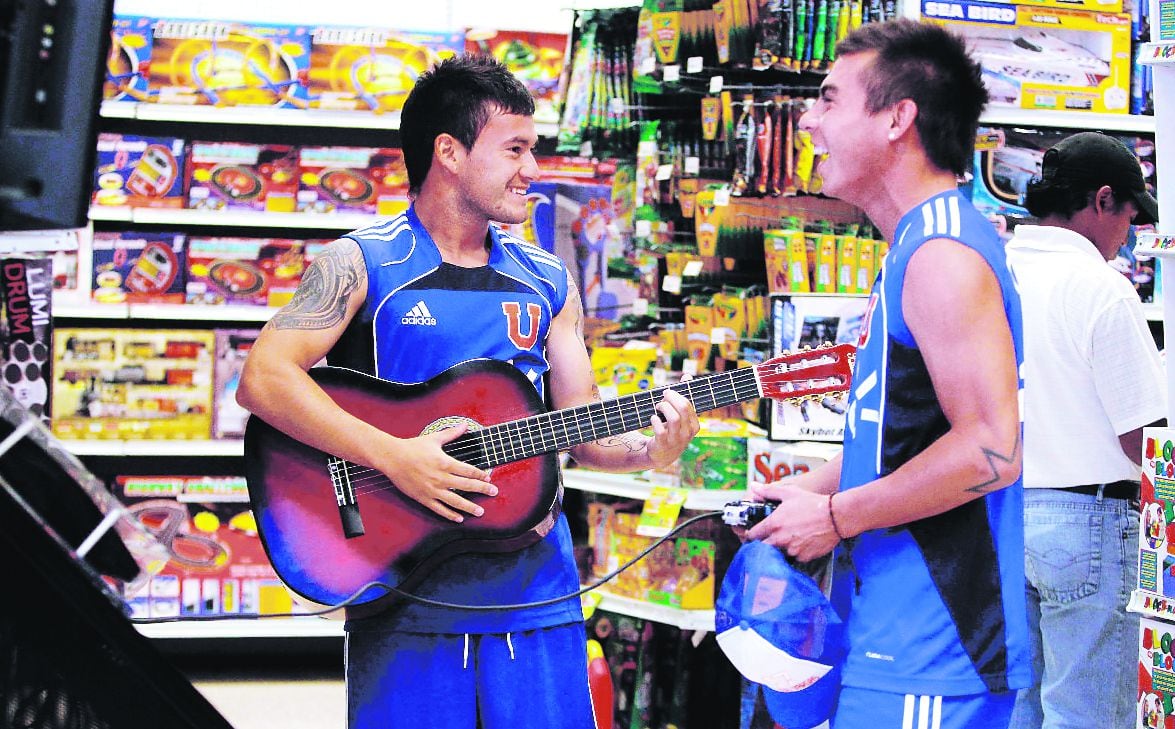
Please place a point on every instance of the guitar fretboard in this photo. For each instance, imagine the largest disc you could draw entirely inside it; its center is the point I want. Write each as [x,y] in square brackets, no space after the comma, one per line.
[562,429]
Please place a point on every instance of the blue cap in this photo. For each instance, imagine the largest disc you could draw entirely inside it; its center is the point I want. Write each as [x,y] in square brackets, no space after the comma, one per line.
[780,630]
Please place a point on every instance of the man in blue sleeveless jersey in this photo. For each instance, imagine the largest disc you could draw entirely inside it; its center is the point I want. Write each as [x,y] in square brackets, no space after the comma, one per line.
[405,300]
[927,493]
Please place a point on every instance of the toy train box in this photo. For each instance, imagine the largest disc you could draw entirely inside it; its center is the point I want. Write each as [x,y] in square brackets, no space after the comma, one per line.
[128,62]
[233,176]
[217,63]
[138,267]
[27,332]
[1156,529]
[1044,57]
[128,384]
[232,347]
[217,564]
[372,69]
[133,171]
[257,271]
[1155,705]
[369,180]
[535,58]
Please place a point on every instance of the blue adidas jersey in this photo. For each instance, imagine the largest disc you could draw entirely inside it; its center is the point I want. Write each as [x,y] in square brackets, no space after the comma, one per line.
[939,607]
[422,316]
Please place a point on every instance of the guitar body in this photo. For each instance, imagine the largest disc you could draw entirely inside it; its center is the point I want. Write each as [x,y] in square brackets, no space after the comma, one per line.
[293,496]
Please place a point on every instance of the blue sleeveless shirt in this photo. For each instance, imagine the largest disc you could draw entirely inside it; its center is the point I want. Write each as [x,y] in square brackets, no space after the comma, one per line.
[421,316]
[939,606]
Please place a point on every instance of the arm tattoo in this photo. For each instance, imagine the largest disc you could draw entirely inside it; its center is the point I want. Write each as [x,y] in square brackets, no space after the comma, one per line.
[632,442]
[994,459]
[574,297]
[321,300]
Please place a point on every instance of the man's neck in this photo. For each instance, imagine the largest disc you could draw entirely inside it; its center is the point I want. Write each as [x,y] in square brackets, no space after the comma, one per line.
[460,237]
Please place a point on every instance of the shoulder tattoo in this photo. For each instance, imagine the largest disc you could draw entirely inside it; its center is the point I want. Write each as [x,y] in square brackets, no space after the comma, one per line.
[321,299]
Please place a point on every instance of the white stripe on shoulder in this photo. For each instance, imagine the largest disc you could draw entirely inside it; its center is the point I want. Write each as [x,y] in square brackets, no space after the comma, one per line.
[942,217]
[385,229]
[927,220]
[538,255]
[956,226]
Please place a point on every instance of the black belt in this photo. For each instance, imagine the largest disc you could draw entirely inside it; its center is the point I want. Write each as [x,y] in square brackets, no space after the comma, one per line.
[1116,490]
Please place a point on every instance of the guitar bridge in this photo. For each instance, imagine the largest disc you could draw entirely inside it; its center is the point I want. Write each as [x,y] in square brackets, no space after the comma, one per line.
[340,478]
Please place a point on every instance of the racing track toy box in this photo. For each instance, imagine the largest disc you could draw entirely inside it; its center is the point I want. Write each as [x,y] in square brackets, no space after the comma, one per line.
[145,172]
[1044,57]
[372,69]
[217,564]
[232,176]
[256,271]
[216,63]
[128,384]
[138,267]
[129,61]
[536,59]
[370,180]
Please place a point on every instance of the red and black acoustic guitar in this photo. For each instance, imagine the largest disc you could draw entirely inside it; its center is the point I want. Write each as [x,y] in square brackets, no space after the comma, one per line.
[299,493]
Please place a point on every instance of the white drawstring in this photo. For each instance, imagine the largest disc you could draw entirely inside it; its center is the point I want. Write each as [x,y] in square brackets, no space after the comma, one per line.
[510,646]
[465,656]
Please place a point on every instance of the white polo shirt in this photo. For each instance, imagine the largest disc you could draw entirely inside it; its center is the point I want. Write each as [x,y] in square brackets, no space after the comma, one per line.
[1092,370]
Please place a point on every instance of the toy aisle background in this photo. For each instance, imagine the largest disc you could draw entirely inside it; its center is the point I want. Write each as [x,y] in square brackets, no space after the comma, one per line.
[236,142]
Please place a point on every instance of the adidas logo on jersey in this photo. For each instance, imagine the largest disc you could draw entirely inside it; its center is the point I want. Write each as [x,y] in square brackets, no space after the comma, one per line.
[419,315]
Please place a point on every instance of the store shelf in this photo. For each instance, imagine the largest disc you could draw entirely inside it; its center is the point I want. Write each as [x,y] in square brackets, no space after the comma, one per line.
[627,486]
[684,619]
[236,218]
[1084,120]
[1151,605]
[310,627]
[167,448]
[263,116]
[72,309]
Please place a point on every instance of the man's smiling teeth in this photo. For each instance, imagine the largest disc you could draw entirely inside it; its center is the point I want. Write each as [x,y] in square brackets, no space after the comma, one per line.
[518,190]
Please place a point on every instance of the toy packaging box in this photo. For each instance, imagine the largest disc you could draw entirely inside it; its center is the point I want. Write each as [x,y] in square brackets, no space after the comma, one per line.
[811,321]
[138,267]
[535,58]
[257,271]
[716,458]
[1156,530]
[139,171]
[69,251]
[27,333]
[623,370]
[1156,675]
[1044,57]
[217,564]
[539,226]
[232,347]
[217,63]
[768,461]
[232,176]
[129,61]
[372,69]
[352,179]
[127,384]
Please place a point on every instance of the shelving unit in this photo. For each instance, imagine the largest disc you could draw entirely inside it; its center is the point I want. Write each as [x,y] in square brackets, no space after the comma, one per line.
[1082,120]
[308,627]
[231,218]
[684,619]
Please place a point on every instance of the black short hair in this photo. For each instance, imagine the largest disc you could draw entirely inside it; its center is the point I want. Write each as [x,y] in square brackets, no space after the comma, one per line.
[457,97]
[930,66]
[1065,198]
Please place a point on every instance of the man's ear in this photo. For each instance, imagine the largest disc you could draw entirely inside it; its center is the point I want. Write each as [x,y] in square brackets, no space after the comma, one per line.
[1103,199]
[902,116]
[447,151]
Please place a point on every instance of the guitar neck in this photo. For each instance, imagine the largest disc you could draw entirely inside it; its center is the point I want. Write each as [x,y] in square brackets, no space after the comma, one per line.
[562,429]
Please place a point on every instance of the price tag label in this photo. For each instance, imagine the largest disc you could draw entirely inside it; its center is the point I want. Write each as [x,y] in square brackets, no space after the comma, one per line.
[664,172]
[608,392]
[693,165]
[644,228]
[715,84]
[693,64]
[692,268]
[671,73]
[672,284]
[616,105]
[717,336]
[648,65]
[660,512]
[640,307]
[689,368]
[721,198]
[647,148]
[585,149]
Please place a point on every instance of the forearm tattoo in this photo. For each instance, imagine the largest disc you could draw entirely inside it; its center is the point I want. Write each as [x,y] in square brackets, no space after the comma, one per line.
[321,299]
[995,461]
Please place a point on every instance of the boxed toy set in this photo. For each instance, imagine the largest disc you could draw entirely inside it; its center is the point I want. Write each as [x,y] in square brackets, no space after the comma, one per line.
[372,69]
[235,176]
[126,384]
[139,171]
[128,63]
[138,267]
[535,58]
[1156,675]
[256,271]
[217,565]
[1044,57]
[232,347]
[352,179]
[624,370]
[768,461]
[218,63]
[1156,531]
[716,458]
[26,293]
[539,226]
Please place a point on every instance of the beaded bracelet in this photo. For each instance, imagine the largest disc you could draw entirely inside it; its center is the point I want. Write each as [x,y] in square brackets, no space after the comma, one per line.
[832,518]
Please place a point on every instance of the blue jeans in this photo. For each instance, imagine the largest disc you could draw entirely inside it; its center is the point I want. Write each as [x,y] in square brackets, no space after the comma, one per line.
[1081,565]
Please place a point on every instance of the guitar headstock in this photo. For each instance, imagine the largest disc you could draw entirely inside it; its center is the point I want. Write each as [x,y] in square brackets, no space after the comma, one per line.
[808,373]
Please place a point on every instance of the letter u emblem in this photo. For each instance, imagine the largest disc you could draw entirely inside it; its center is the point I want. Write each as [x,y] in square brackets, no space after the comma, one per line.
[513,312]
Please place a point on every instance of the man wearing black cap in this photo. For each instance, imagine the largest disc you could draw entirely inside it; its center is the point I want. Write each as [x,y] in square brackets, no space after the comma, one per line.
[1093,379]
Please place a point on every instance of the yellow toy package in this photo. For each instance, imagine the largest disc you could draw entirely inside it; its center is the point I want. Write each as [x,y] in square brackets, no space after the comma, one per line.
[623,370]
[372,69]
[535,58]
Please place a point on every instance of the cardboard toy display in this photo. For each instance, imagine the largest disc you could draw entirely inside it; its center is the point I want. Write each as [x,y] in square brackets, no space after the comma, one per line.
[139,171]
[139,267]
[256,271]
[352,179]
[232,176]
[26,291]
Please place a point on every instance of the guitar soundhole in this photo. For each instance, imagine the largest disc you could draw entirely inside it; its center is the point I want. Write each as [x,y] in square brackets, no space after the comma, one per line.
[451,421]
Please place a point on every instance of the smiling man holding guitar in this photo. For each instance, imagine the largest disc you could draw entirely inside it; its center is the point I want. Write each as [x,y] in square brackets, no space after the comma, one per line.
[405,301]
